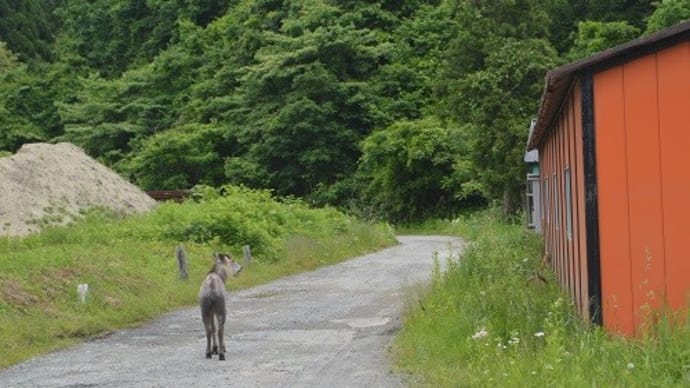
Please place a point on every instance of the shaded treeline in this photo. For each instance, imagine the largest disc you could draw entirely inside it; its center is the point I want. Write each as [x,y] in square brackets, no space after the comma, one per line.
[396,109]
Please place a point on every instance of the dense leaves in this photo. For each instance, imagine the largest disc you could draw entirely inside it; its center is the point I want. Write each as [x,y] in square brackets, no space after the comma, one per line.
[593,37]
[415,169]
[668,13]
[493,80]
[306,105]
[320,99]
[113,35]
[27,26]
[189,155]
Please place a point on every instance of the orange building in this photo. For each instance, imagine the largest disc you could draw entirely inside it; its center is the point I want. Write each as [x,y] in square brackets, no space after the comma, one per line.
[613,134]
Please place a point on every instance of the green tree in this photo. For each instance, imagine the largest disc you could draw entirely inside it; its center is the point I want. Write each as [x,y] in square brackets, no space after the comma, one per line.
[178,158]
[667,13]
[8,60]
[106,116]
[27,109]
[306,103]
[415,169]
[593,37]
[28,27]
[634,12]
[115,35]
[567,14]
[492,80]
[227,46]
[403,88]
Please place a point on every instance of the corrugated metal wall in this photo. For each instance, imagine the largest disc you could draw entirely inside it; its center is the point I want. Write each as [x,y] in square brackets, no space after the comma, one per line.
[563,199]
[642,132]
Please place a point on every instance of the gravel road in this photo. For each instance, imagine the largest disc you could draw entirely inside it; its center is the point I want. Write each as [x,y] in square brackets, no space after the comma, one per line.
[327,328]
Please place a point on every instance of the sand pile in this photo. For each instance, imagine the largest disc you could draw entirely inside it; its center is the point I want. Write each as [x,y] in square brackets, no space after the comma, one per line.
[51,183]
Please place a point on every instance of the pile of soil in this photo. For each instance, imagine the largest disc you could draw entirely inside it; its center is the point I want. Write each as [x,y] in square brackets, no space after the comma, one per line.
[47,184]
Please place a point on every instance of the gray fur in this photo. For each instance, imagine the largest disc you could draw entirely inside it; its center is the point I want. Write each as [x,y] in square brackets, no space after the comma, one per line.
[212,302]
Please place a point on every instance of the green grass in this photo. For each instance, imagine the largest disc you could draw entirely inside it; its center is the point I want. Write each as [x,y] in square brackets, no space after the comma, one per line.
[485,323]
[130,266]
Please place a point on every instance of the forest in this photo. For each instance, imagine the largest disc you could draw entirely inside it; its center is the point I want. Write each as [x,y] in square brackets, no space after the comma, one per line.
[396,110]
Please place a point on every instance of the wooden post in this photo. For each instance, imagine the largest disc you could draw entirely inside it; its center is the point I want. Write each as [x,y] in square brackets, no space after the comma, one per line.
[247,254]
[181,256]
[83,292]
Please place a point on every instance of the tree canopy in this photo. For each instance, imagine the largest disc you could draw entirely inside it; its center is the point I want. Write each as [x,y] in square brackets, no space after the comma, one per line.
[410,108]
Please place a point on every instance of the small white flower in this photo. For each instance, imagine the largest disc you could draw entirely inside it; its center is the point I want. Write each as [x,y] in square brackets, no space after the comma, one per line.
[514,340]
[539,334]
[631,365]
[480,334]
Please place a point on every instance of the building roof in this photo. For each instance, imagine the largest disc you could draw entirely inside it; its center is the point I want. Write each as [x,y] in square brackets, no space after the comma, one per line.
[558,81]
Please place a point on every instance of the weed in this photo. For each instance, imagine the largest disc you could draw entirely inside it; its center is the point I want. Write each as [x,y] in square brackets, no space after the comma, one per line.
[482,324]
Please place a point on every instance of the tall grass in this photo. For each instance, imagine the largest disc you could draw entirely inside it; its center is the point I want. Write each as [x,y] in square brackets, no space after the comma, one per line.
[132,272]
[486,322]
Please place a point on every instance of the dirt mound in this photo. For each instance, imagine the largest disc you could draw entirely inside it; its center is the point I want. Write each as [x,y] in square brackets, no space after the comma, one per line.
[51,183]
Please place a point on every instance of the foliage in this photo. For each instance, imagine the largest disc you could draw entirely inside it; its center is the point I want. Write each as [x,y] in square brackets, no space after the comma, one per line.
[593,37]
[667,13]
[305,104]
[130,265]
[114,34]
[28,27]
[237,216]
[415,169]
[566,15]
[189,155]
[95,119]
[493,81]
[107,117]
[611,10]
[8,60]
[487,321]
[404,87]
[27,111]
[284,93]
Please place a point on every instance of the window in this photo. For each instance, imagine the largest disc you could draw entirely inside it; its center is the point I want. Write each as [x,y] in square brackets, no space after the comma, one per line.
[534,208]
[530,204]
[568,204]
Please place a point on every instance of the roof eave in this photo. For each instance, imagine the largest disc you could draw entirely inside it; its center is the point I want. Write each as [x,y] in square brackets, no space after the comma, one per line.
[559,80]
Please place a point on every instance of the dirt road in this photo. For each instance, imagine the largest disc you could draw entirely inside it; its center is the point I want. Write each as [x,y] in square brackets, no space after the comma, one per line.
[327,328]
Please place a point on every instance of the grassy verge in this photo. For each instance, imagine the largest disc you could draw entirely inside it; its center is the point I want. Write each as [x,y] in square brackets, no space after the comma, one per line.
[132,272]
[484,322]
